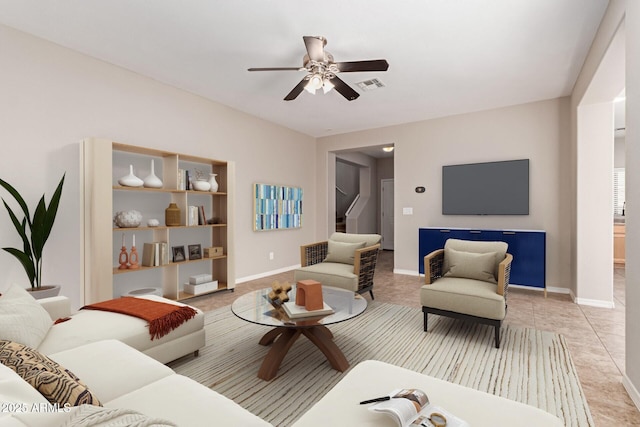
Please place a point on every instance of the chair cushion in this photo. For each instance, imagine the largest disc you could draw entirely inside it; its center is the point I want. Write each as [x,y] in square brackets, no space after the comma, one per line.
[471,265]
[466,296]
[22,318]
[342,252]
[329,274]
[368,239]
[55,383]
[500,248]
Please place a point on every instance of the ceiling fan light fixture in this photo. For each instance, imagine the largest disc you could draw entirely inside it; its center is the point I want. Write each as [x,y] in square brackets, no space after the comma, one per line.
[327,85]
[315,81]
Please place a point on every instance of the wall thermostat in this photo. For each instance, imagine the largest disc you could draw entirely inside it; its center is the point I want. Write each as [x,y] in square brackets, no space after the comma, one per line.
[420,189]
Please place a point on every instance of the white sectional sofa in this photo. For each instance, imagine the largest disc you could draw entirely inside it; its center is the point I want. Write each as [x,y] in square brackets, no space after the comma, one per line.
[123,378]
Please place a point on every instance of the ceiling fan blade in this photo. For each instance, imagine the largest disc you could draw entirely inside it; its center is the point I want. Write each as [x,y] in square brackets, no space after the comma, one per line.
[277,69]
[372,65]
[297,90]
[344,89]
[315,47]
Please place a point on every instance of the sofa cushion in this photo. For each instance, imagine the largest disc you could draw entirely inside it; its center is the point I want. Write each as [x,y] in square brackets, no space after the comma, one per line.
[14,390]
[22,318]
[342,252]
[476,246]
[122,368]
[470,265]
[368,239]
[467,296]
[55,383]
[187,403]
[329,274]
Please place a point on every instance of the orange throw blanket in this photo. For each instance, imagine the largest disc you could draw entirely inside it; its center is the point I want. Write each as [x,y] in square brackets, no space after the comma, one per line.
[162,317]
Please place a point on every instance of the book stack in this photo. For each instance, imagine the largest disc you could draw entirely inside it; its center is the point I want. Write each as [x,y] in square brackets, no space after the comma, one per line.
[155,254]
[196,215]
[200,284]
[299,312]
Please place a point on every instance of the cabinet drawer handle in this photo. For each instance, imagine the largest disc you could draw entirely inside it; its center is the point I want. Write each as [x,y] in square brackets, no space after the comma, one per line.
[508,232]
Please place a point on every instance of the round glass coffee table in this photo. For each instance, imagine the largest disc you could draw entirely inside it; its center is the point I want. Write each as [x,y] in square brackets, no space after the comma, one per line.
[255,307]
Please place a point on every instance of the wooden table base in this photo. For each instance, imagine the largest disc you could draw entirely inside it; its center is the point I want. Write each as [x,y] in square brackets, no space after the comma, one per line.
[283,338]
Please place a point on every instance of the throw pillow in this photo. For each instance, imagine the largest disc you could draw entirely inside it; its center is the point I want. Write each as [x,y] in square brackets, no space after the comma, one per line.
[55,383]
[471,265]
[22,318]
[342,252]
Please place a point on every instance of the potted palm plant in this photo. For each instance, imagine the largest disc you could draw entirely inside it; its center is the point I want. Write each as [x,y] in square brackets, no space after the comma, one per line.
[34,232]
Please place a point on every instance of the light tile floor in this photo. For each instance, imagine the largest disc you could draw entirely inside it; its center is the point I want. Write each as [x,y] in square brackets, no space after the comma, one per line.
[595,335]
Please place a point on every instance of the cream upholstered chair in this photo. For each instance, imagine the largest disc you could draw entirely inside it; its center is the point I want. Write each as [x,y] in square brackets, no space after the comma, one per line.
[346,261]
[468,280]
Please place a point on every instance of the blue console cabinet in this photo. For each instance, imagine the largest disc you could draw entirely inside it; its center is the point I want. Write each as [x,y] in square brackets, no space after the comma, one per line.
[528,248]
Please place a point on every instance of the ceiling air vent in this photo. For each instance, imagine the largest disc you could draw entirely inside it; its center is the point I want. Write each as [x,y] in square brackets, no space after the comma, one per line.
[372,84]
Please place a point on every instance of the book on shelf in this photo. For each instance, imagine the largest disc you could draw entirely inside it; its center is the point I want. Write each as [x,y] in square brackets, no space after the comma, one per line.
[202,219]
[295,311]
[411,408]
[155,254]
[193,215]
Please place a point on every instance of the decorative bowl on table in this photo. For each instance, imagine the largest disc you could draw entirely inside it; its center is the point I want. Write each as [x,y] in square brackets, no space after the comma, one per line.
[128,219]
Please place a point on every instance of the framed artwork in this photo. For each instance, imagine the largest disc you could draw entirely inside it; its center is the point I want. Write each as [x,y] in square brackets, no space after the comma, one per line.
[178,253]
[276,207]
[195,252]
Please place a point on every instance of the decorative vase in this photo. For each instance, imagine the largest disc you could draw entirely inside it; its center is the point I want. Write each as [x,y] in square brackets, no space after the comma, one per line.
[130,180]
[172,215]
[201,185]
[128,219]
[152,181]
[213,182]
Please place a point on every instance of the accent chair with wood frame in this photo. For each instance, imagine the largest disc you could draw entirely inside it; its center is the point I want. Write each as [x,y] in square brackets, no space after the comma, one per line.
[346,261]
[468,280]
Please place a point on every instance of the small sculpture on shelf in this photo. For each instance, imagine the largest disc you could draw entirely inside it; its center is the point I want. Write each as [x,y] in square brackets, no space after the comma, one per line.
[133,256]
[127,219]
[278,294]
[152,181]
[123,260]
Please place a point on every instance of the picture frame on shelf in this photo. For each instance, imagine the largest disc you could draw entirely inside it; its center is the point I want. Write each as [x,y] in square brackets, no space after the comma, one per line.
[195,252]
[178,253]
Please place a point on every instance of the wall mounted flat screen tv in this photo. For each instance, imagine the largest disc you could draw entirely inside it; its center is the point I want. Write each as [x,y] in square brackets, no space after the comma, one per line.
[493,188]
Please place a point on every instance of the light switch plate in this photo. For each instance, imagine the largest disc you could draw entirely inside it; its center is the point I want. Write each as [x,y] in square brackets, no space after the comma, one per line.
[407,211]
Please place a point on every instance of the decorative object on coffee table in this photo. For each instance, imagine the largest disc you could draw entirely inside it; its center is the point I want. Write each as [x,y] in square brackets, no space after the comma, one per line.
[130,180]
[309,295]
[172,215]
[279,293]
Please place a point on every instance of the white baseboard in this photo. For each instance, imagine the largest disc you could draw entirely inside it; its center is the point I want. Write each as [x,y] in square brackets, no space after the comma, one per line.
[631,390]
[266,273]
[592,302]
[406,272]
[550,289]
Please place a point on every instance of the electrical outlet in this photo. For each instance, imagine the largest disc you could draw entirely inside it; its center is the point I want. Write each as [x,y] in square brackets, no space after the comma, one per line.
[271,256]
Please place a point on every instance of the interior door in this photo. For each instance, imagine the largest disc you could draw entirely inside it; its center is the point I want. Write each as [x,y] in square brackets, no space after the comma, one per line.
[386,222]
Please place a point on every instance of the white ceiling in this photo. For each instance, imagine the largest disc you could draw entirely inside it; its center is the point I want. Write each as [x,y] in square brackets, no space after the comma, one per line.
[446,56]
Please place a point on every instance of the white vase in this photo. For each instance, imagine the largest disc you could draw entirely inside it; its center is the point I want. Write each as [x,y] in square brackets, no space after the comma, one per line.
[213,182]
[152,181]
[130,180]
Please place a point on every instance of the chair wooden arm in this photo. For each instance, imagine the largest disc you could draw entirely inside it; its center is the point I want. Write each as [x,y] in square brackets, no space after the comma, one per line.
[364,265]
[504,273]
[433,266]
[313,253]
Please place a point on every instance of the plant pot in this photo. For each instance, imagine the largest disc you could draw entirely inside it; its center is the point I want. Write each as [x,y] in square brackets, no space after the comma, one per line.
[44,291]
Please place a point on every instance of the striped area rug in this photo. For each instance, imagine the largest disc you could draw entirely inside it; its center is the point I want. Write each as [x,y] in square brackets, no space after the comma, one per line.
[532,366]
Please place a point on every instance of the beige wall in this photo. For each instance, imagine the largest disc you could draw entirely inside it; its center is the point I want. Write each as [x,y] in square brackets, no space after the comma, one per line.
[536,131]
[53,97]
[632,295]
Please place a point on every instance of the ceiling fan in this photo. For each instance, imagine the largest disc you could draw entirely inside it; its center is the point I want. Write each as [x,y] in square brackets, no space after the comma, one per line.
[322,70]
